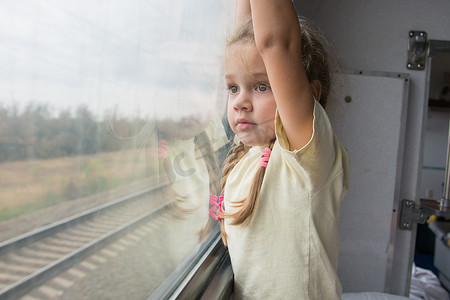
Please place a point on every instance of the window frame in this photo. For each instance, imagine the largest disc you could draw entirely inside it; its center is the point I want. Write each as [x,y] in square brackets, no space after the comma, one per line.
[206,275]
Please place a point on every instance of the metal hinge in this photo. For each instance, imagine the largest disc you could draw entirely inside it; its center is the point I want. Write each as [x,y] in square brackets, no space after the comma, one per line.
[410,215]
[417,50]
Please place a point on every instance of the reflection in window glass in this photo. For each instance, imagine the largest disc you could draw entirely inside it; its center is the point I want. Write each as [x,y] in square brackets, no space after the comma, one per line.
[111,139]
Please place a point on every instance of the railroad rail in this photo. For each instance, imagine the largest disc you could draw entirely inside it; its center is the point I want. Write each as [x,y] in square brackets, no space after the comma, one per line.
[30,259]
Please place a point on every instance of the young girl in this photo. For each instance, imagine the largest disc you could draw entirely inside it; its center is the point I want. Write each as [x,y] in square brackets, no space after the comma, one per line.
[284,181]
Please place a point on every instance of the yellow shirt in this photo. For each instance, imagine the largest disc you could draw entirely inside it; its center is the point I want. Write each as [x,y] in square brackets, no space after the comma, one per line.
[289,249]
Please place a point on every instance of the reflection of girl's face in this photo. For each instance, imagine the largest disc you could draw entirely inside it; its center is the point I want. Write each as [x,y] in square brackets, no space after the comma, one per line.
[185,115]
[185,128]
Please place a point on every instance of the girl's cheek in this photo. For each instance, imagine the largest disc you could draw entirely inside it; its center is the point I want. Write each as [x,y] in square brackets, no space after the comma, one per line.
[229,113]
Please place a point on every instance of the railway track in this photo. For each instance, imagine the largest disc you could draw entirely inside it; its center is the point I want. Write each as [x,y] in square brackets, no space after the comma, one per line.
[31,259]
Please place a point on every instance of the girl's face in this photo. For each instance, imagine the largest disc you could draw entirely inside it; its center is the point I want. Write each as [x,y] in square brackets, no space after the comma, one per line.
[251,104]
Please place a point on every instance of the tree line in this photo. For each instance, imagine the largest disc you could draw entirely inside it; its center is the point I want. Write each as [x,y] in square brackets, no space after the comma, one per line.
[35,133]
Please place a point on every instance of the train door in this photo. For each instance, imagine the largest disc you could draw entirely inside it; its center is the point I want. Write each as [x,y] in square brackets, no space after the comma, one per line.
[368,114]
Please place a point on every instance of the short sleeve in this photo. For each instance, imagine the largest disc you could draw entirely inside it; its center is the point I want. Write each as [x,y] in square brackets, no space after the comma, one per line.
[318,157]
[281,134]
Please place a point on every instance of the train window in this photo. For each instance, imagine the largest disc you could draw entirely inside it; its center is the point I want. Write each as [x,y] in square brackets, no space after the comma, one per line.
[111,138]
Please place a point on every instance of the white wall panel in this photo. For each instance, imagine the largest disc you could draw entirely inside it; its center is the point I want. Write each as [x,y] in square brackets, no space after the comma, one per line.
[375,146]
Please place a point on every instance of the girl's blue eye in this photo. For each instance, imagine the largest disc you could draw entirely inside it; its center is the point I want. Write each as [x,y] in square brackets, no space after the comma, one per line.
[233,89]
[263,87]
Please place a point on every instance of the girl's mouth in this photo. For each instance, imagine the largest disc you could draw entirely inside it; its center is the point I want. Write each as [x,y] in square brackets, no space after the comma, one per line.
[188,122]
[244,125]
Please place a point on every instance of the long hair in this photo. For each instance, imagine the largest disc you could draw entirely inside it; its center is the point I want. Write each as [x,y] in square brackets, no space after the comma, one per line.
[317,66]
[249,203]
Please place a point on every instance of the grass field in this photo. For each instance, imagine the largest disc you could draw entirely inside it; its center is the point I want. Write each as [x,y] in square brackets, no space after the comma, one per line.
[26,186]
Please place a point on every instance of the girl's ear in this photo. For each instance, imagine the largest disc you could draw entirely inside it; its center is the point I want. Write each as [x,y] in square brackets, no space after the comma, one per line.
[316,88]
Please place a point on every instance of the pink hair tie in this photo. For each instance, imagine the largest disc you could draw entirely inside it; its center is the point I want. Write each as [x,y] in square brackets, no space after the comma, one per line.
[163,148]
[213,199]
[221,204]
[265,155]
[216,204]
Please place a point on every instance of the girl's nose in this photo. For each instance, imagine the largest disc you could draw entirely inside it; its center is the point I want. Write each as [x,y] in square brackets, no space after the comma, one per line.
[243,102]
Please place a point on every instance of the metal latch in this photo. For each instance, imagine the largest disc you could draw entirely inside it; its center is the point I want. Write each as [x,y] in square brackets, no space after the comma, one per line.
[409,215]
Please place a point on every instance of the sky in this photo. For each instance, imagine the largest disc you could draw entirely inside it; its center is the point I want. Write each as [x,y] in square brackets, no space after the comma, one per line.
[146,57]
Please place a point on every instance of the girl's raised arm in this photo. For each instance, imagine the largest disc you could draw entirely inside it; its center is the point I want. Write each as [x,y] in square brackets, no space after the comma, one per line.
[278,39]
[243,11]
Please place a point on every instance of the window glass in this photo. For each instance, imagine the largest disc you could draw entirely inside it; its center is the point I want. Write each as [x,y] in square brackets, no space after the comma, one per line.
[111,140]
